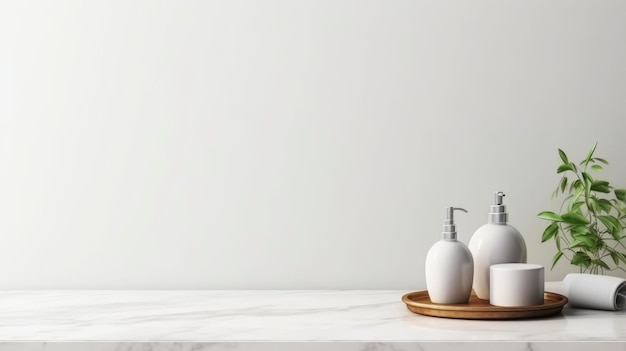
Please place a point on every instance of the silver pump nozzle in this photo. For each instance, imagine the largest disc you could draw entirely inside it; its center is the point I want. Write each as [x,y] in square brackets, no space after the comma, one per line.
[449,228]
[497,211]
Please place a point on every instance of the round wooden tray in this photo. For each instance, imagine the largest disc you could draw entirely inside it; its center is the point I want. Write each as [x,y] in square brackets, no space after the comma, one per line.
[419,302]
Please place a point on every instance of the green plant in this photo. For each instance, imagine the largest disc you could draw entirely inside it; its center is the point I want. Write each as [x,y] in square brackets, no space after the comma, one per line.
[589,228]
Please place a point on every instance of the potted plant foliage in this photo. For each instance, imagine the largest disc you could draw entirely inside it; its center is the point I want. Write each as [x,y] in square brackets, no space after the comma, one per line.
[589,227]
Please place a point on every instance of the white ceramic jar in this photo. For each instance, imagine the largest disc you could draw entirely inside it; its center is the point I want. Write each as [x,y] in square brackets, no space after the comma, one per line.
[516,285]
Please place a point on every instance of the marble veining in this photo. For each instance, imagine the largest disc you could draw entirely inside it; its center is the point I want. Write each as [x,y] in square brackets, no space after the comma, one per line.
[273,320]
[311,346]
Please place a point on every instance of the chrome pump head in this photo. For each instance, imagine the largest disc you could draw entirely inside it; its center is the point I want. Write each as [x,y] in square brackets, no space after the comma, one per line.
[497,211]
[449,229]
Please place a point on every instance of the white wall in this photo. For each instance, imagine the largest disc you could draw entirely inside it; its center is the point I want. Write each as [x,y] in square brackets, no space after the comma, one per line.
[289,144]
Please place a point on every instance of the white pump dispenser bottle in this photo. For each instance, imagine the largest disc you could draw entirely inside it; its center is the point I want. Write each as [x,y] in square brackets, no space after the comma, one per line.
[493,243]
[449,266]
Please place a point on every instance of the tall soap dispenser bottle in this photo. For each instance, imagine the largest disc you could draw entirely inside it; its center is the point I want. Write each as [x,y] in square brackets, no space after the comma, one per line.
[493,243]
[449,266]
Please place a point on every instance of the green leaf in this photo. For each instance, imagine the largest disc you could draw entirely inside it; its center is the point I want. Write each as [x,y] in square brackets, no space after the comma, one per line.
[581,259]
[616,228]
[620,256]
[620,194]
[565,167]
[608,221]
[552,229]
[605,205]
[615,257]
[587,178]
[551,216]
[574,218]
[600,186]
[584,241]
[613,225]
[601,160]
[563,156]
[579,230]
[590,153]
[616,235]
[579,192]
[576,205]
[556,258]
[563,184]
[600,263]
[597,168]
[577,184]
[580,245]
[593,204]
[599,244]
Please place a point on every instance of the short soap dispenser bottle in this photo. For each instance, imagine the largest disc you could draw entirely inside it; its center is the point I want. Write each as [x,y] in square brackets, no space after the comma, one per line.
[449,266]
[493,243]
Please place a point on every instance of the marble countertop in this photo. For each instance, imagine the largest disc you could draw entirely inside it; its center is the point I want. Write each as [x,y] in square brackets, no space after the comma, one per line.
[367,319]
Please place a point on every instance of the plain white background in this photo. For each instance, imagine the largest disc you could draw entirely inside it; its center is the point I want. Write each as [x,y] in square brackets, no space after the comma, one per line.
[289,144]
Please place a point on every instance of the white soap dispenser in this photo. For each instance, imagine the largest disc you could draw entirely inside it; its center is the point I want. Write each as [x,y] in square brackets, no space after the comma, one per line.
[449,266]
[493,243]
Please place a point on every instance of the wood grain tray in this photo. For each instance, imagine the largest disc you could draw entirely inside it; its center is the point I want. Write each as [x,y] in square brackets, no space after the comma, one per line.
[419,302]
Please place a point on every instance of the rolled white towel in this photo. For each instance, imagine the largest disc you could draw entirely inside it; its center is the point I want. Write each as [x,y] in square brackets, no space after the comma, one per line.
[593,291]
